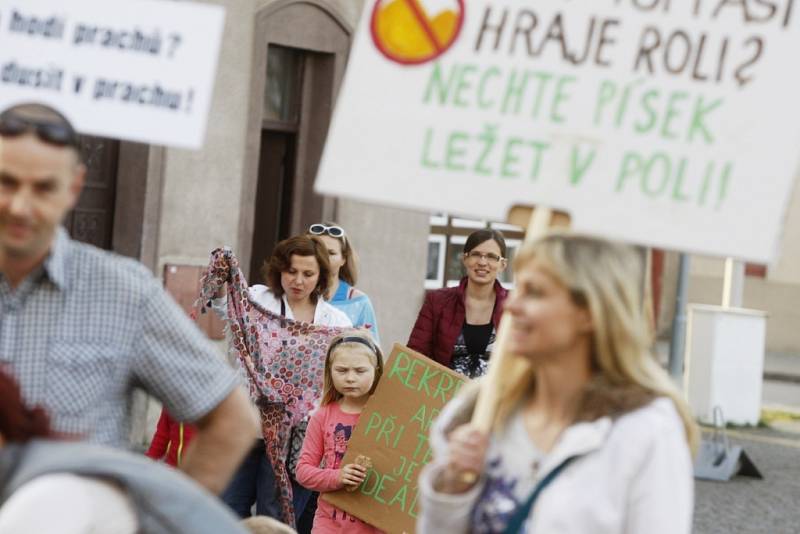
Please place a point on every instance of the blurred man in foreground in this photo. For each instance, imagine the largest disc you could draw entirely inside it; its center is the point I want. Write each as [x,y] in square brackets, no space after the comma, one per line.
[80,328]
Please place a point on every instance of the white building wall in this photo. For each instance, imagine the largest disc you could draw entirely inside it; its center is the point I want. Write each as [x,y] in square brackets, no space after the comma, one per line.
[203,190]
[778,294]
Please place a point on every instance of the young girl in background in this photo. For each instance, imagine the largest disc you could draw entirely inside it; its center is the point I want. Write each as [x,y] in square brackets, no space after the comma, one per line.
[353,367]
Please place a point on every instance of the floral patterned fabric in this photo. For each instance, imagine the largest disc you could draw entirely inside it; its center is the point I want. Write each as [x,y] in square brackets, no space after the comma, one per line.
[284,361]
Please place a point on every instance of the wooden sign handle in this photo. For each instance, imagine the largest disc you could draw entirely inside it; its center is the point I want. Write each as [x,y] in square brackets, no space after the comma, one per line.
[502,364]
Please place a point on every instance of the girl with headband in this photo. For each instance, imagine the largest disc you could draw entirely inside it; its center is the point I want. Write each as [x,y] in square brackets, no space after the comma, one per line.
[353,367]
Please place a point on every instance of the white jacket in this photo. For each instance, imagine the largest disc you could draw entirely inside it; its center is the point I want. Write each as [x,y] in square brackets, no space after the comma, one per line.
[634,476]
[324,315]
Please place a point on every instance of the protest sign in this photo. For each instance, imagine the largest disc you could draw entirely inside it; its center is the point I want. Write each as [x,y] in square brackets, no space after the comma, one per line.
[663,123]
[141,70]
[393,432]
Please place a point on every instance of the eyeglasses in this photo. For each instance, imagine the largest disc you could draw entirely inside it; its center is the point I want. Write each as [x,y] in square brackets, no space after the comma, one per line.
[320,229]
[490,257]
[12,125]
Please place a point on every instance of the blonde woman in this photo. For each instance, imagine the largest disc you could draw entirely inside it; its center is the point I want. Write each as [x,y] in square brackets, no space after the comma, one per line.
[344,272]
[592,437]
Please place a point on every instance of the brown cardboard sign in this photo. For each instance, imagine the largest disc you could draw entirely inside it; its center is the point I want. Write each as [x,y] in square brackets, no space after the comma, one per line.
[393,432]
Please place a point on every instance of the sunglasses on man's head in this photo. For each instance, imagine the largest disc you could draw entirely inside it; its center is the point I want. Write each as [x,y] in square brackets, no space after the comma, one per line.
[12,125]
[320,229]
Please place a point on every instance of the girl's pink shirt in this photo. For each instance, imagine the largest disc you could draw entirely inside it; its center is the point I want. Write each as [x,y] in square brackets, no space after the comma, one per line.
[320,461]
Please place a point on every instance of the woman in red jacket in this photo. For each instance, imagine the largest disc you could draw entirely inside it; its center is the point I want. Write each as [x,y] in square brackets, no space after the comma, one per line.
[457,325]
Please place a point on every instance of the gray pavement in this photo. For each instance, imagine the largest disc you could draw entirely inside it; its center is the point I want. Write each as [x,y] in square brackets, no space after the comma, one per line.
[782,366]
[746,505]
[781,395]
[751,506]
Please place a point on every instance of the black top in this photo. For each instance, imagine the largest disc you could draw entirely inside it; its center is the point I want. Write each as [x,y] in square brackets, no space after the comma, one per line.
[472,349]
[476,337]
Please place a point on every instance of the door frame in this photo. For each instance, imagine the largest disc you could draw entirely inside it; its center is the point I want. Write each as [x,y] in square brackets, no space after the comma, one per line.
[136,208]
[271,27]
[137,213]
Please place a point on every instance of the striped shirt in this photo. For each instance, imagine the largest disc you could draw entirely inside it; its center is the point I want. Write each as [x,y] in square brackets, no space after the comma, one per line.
[88,327]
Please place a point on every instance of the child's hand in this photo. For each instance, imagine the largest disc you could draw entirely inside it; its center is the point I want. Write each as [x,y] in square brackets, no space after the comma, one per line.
[352,475]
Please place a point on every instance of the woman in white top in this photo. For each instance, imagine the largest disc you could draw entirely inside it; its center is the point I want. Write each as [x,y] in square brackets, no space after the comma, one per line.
[590,434]
[298,276]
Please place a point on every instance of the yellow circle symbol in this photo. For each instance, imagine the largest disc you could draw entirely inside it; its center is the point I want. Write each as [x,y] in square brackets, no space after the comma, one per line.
[416,31]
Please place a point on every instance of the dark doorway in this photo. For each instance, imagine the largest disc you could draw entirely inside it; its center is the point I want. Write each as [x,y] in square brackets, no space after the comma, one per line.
[273,197]
[92,219]
[303,64]
[296,113]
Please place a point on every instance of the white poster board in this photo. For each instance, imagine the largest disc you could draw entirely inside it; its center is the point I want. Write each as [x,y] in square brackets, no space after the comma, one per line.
[141,70]
[675,125]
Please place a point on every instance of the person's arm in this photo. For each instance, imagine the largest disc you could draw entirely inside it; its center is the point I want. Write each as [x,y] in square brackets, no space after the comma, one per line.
[367,317]
[175,362]
[309,474]
[222,439]
[661,494]
[444,512]
[421,338]
[446,497]
[160,441]
[466,448]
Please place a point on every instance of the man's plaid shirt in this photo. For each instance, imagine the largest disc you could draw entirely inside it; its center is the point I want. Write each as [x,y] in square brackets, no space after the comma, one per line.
[88,327]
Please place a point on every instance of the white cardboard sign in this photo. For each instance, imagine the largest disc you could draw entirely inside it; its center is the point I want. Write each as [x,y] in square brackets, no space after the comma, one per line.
[141,70]
[663,123]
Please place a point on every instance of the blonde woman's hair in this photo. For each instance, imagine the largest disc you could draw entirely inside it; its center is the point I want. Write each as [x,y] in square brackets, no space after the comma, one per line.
[349,271]
[359,341]
[606,279]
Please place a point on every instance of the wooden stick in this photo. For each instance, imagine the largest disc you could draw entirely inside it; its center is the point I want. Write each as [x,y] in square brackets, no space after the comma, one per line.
[647,293]
[502,365]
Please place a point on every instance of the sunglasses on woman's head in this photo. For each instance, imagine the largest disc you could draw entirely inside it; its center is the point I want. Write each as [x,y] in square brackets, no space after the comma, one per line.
[13,125]
[320,229]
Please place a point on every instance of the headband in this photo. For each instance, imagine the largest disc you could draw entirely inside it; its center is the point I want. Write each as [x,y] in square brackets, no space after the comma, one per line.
[354,339]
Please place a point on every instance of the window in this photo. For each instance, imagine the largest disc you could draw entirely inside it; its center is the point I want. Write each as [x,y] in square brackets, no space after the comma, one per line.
[454,270]
[446,245]
[284,81]
[434,277]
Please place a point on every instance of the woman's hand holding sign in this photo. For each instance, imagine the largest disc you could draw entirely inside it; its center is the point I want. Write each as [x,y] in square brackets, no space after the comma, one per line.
[466,455]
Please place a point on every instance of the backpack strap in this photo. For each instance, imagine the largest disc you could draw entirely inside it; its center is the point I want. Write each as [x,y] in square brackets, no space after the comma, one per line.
[283,319]
[522,512]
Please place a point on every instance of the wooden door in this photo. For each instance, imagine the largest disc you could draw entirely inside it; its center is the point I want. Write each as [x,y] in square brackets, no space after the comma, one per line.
[92,219]
[273,197]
